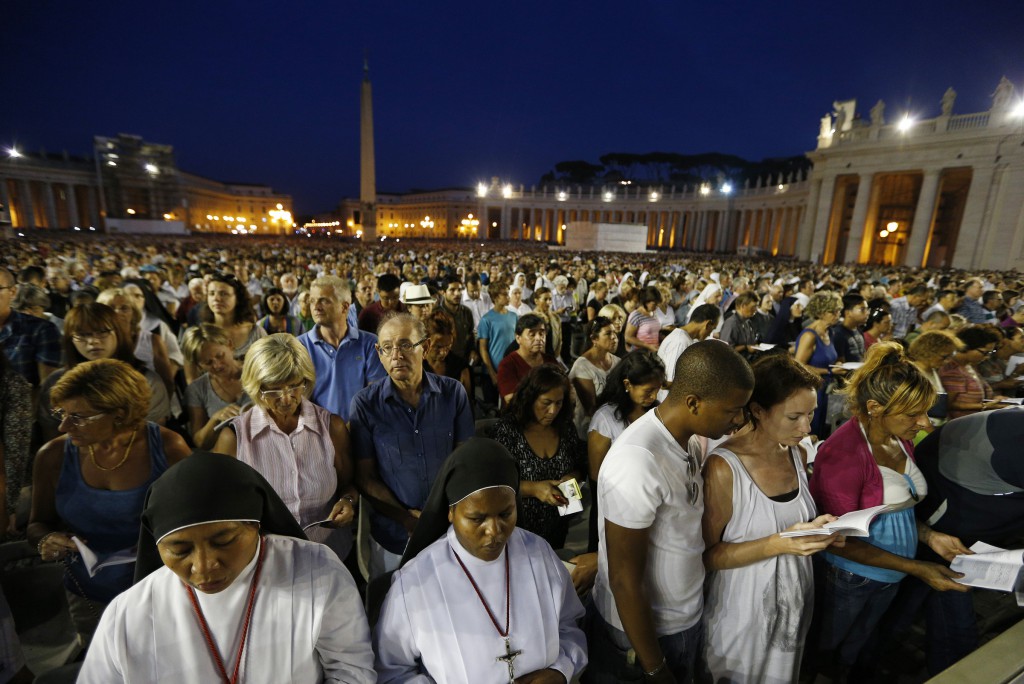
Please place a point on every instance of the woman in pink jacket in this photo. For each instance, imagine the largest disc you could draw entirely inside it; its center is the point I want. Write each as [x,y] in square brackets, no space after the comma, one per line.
[867,462]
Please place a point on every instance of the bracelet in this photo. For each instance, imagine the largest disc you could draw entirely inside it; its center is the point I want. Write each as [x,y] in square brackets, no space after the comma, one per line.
[657,669]
[39,546]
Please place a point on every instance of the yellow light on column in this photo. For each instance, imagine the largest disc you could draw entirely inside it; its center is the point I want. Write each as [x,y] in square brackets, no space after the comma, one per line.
[892,226]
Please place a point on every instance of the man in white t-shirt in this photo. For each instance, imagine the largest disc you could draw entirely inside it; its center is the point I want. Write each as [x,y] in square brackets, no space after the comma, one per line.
[650,577]
[700,326]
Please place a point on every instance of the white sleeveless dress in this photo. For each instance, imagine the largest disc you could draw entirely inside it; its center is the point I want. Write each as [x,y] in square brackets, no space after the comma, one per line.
[756,617]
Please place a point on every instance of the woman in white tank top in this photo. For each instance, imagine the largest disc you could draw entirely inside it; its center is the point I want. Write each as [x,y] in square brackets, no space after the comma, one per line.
[760,585]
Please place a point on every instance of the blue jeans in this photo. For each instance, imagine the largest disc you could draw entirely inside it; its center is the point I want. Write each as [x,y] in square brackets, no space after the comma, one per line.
[851,608]
[610,653]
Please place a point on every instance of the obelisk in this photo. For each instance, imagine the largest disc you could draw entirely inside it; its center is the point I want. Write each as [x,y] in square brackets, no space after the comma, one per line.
[367,165]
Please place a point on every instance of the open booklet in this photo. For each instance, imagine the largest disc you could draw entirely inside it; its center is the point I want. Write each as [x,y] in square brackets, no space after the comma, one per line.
[94,564]
[992,568]
[853,524]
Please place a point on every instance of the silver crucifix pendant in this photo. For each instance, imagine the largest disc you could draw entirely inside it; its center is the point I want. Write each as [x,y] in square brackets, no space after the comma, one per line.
[508,659]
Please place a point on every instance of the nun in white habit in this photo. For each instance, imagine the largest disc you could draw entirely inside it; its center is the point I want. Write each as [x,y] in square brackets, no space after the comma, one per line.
[478,600]
[227,589]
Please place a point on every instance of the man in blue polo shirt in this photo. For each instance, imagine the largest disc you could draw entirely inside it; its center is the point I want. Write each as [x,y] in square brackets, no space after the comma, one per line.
[31,344]
[403,428]
[343,356]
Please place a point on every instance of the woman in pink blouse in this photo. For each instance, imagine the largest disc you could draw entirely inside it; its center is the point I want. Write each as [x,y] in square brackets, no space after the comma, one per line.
[643,327]
[300,448]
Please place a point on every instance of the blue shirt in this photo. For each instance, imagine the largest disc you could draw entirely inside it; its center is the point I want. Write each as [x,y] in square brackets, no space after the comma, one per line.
[409,445]
[27,341]
[500,331]
[342,372]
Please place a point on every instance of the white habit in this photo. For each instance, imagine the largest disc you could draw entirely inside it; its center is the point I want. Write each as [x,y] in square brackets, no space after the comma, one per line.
[433,627]
[308,625]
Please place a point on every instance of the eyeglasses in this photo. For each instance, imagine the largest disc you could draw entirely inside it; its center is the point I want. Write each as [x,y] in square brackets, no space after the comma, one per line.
[78,421]
[387,349]
[99,335]
[295,390]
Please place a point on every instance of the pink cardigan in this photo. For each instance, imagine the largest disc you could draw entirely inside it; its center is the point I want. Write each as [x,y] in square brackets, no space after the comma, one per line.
[846,477]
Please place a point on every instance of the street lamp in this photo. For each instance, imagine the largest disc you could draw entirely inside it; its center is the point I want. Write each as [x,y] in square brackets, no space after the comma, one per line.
[13,153]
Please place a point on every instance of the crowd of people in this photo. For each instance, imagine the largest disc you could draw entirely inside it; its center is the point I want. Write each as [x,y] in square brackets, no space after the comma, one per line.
[264,420]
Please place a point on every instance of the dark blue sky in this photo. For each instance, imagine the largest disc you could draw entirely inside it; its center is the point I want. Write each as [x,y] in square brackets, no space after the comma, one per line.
[268,91]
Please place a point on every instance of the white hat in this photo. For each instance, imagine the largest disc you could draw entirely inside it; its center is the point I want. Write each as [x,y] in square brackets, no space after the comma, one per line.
[417,294]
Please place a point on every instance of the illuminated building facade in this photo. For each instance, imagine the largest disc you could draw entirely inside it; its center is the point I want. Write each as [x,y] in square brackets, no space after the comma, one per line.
[131,185]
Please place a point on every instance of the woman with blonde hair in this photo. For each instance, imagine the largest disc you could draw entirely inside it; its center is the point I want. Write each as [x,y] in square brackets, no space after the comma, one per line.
[815,350]
[931,351]
[300,448]
[150,346]
[868,461]
[216,395]
[91,483]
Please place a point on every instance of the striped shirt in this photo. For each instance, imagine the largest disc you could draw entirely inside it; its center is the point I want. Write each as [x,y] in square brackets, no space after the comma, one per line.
[299,466]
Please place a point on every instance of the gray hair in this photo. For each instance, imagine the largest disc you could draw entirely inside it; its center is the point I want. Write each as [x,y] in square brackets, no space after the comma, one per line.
[341,288]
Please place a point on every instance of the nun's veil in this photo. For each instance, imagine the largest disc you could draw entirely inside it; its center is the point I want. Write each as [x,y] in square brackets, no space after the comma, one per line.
[478,464]
[203,488]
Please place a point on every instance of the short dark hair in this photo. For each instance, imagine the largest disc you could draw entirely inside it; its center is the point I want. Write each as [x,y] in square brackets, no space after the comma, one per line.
[640,367]
[705,313]
[777,377]
[977,336]
[650,294]
[386,282]
[473,278]
[744,299]
[852,301]
[538,381]
[30,273]
[990,295]
[528,322]
[710,369]
[919,290]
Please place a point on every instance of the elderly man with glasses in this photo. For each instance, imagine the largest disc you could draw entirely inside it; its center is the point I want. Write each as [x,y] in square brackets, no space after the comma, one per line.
[403,428]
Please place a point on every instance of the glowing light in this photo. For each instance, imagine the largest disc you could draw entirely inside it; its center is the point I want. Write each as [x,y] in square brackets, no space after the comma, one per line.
[654,196]
[13,153]
[279,207]
[131,211]
[609,196]
[905,124]
[494,224]
[705,189]
[168,217]
[152,168]
[883,233]
[481,190]
[561,195]
[892,226]
[506,191]
[209,218]
[1018,111]
[77,228]
[563,226]
[111,163]
[726,188]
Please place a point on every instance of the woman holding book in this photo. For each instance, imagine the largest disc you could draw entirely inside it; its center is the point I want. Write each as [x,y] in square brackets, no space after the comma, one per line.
[755,487]
[91,482]
[867,462]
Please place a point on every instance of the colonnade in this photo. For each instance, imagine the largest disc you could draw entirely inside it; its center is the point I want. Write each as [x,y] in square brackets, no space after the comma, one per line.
[35,203]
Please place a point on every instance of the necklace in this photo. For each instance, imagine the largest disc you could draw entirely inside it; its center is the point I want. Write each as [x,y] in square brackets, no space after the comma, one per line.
[208,636]
[508,658]
[92,454]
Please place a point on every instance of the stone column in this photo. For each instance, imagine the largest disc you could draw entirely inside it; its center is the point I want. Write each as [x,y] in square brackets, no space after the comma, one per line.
[964,254]
[27,203]
[51,206]
[921,228]
[865,186]
[811,240]
[93,207]
[73,206]
[533,223]
[5,200]
[505,227]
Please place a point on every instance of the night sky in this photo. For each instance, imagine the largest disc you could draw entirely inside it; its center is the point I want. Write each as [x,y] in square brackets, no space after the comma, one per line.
[268,92]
